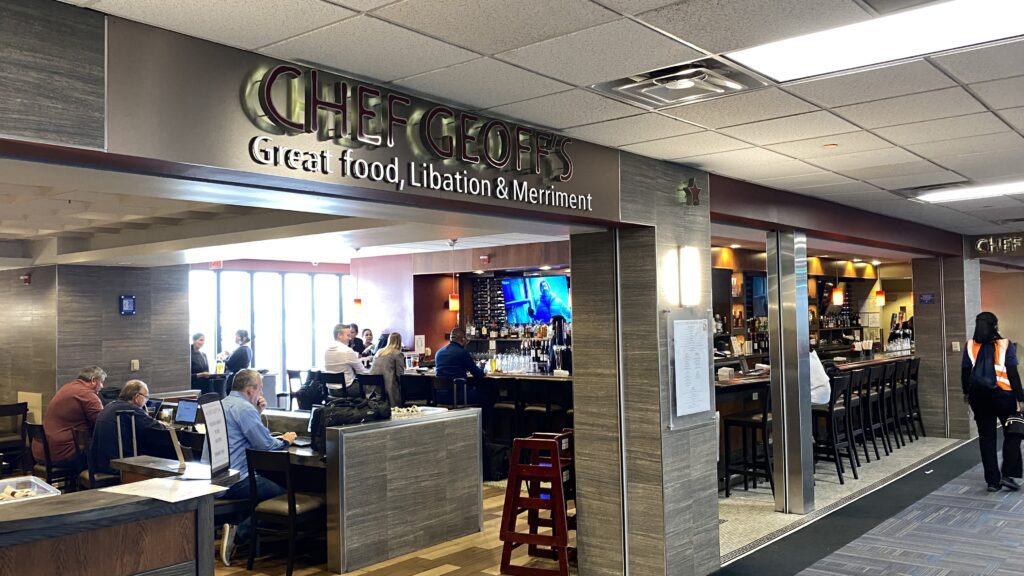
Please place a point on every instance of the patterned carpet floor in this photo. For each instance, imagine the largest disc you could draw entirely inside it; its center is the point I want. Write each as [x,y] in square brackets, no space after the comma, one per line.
[957,530]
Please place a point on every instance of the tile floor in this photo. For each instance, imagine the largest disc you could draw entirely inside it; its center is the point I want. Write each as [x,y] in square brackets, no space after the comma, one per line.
[748,519]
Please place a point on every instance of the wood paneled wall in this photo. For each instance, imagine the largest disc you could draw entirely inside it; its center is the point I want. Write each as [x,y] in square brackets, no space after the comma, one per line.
[553,254]
[431,315]
[28,339]
[91,330]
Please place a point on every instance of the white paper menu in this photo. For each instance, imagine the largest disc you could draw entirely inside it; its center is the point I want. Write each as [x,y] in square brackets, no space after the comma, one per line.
[692,370]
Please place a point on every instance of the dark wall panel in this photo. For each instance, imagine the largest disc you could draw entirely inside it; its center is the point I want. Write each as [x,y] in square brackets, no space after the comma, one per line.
[28,339]
[52,73]
[91,331]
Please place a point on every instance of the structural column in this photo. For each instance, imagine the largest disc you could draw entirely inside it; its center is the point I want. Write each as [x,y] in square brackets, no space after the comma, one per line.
[947,294]
[791,382]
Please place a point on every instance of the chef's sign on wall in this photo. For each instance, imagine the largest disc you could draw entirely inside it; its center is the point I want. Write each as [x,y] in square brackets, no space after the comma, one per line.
[997,245]
[370,134]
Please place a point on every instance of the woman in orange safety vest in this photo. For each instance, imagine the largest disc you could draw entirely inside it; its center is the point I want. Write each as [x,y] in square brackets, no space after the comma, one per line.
[992,387]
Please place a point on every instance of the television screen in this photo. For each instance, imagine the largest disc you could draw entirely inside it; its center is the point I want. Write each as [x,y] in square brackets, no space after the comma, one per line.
[536,299]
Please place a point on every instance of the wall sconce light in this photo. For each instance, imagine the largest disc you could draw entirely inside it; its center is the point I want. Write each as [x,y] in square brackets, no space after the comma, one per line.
[689,276]
[670,266]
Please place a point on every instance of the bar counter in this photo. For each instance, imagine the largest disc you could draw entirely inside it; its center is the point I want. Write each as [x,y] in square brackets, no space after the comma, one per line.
[81,533]
[506,375]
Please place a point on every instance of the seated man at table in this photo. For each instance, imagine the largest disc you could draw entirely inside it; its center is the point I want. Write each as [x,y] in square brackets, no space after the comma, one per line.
[454,361]
[340,357]
[242,409]
[132,399]
[76,405]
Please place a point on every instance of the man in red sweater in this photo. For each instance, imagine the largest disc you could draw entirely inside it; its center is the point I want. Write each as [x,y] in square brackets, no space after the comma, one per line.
[75,405]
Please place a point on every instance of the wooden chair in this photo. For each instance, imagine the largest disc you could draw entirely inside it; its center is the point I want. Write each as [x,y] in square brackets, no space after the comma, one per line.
[912,393]
[68,477]
[282,516]
[90,479]
[373,385]
[756,431]
[293,382]
[876,407]
[12,438]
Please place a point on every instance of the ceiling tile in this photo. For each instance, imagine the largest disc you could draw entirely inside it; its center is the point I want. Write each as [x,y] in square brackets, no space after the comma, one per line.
[688,145]
[635,6]
[970,145]
[845,144]
[371,48]
[988,203]
[606,52]
[887,82]
[798,127]
[845,189]
[821,178]
[997,214]
[866,159]
[361,5]
[891,170]
[1015,116]
[944,129]
[1005,93]
[718,26]
[741,108]
[917,180]
[912,108]
[483,83]
[871,200]
[987,166]
[632,129]
[730,159]
[565,109]
[232,22]
[758,172]
[987,63]
[492,26]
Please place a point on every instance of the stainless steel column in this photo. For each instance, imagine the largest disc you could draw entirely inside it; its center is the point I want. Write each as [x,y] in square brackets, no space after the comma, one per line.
[791,381]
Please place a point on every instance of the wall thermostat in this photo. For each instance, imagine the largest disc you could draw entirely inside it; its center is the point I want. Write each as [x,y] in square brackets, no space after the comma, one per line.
[127,305]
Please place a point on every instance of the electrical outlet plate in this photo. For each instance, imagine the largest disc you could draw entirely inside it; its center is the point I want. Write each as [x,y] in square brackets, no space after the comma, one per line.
[135,365]
[956,346]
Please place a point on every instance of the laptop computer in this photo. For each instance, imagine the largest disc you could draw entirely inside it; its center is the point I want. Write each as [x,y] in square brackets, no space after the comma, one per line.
[153,406]
[186,412]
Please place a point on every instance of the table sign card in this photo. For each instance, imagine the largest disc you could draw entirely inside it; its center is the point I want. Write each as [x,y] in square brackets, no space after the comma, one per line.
[692,370]
[216,437]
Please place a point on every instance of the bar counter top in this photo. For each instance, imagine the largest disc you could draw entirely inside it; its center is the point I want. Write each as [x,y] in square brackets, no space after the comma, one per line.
[741,382]
[503,375]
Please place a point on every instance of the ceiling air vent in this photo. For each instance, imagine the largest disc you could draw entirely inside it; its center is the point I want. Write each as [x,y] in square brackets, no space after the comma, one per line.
[681,84]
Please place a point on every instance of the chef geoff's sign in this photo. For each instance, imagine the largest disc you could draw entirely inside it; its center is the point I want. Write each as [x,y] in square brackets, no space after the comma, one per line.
[426,146]
[999,245]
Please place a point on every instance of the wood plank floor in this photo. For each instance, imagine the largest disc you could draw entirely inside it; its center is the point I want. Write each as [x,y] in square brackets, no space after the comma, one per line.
[479,554]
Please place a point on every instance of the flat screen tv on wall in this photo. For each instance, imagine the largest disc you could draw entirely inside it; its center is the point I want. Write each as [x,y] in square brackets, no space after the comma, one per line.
[536,299]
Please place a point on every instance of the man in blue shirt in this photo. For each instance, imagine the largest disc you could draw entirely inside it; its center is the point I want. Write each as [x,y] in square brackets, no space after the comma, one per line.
[454,361]
[242,409]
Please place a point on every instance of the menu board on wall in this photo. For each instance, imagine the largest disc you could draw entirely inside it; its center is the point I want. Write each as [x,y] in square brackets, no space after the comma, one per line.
[692,366]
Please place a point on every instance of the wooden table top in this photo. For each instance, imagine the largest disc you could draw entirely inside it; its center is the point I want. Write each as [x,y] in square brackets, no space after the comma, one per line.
[501,375]
[153,467]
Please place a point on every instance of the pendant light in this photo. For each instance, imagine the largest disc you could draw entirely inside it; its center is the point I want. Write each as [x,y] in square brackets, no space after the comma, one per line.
[837,292]
[453,297]
[357,302]
[879,294]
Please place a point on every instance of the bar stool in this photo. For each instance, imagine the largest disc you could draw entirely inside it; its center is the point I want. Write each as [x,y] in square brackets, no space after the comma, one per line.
[283,516]
[12,438]
[912,394]
[90,479]
[417,390]
[505,420]
[755,430]
[860,399]
[891,420]
[876,407]
[445,392]
[838,426]
[539,401]
[902,400]
[45,469]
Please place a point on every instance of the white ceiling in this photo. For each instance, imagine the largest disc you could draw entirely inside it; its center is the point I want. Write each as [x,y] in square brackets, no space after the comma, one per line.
[944,119]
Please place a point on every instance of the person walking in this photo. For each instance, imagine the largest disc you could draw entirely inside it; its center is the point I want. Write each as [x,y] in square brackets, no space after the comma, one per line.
[992,387]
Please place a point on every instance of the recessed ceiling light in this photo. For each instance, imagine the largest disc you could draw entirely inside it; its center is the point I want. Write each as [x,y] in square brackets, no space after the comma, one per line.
[972,192]
[478,271]
[545,267]
[735,246]
[857,260]
[935,28]
[830,146]
[823,256]
[876,262]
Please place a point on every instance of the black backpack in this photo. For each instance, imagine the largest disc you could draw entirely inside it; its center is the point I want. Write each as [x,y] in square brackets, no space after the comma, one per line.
[345,411]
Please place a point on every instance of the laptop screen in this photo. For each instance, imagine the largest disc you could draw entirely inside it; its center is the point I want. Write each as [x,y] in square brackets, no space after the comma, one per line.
[186,412]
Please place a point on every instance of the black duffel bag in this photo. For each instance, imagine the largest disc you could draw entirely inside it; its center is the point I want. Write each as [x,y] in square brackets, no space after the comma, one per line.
[345,411]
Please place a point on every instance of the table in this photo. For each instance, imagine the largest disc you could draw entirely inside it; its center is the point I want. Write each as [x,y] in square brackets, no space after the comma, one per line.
[138,468]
